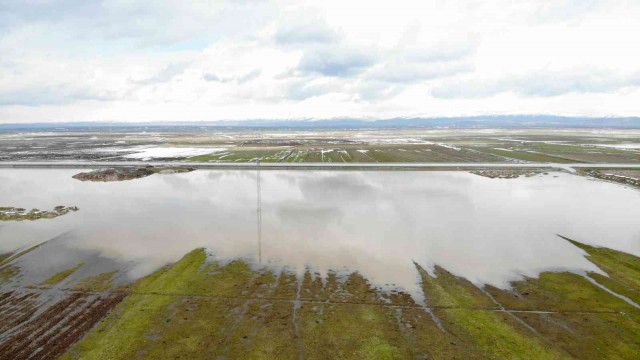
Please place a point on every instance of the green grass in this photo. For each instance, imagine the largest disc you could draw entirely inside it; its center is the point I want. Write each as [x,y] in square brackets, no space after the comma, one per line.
[529,156]
[494,335]
[122,334]
[3,257]
[616,286]
[157,321]
[354,325]
[589,336]
[447,290]
[587,154]
[59,277]
[623,269]
[7,273]
[227,318]
[383,156]
[374,153]
[199,309]
[351,332]
[100,282]
[562,291]
[589,322]
[237,155]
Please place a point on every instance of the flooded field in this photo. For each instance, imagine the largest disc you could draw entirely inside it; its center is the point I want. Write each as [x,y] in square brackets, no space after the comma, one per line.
[239,145]
[409,264]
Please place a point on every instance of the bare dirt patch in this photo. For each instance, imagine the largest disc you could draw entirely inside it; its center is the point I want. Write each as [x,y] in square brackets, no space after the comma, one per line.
[28,332]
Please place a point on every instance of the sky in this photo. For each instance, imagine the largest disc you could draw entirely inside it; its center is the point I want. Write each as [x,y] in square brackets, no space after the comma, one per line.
[118,60]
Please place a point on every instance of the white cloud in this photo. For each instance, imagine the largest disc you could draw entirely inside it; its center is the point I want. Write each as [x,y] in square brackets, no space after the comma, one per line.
[174,60]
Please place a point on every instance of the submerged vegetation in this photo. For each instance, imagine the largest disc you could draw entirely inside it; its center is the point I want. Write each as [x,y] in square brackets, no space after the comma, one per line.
[96,283]
[7,273]
[60,277]
[20,214]
[128,173]
[508,173]
[7,270]
[7,258]
[624,177]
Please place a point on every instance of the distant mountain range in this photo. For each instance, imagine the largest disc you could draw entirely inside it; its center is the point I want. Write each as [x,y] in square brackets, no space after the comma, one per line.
[488,121]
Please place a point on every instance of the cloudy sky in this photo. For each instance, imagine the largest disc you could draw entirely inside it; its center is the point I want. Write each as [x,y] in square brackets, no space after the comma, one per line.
[118,60]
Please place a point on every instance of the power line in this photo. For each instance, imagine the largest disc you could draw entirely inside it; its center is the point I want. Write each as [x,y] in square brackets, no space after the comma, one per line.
[259,212]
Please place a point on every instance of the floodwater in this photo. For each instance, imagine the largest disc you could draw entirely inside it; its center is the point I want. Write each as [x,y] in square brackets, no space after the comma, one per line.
[375,222]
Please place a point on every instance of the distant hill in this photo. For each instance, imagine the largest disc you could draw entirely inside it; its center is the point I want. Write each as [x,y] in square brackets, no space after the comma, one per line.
[501,121]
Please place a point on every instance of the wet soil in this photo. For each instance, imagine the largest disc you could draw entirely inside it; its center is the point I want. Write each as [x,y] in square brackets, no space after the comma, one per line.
[35,325]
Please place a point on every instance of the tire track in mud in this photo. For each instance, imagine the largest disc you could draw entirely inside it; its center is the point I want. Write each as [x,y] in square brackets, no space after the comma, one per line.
[297,304]
[338,302]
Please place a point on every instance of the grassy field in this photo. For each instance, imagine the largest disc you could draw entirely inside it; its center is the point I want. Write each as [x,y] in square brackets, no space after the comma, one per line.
[198,309]
[350,153]
[463,152]
[339,145]
[529,156]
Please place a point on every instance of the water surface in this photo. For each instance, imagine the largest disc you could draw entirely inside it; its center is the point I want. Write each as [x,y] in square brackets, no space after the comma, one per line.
[374,222]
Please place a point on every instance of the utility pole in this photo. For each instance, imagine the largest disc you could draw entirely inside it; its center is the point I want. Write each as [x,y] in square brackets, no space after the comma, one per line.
[259,212]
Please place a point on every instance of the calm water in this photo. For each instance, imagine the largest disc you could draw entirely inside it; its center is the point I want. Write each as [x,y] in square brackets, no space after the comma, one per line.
[377,223]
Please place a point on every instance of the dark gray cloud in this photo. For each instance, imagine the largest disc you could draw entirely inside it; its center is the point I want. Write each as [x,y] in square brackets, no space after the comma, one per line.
[238,79]
[377,90]
[47,95]
[335,61]
[315,31]
[13,12]
[211,77]
[539,84]
[304,89]
[439,52]
[253,74]
[563,10]
[165,75]
[120,25]
[412,72]
[410,63]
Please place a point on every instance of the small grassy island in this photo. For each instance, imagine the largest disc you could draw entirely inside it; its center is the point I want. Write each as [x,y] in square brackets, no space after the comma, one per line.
[508,173]
[20,214]
[128,173]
